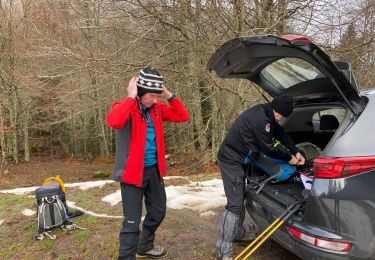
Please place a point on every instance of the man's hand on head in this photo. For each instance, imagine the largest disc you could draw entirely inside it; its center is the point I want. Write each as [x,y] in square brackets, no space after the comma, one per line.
[166,93]
[132,87]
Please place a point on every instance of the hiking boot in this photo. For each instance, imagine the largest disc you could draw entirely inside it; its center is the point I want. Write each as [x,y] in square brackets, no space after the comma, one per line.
[243,242]
[156,252]
[227,258]
[248,236]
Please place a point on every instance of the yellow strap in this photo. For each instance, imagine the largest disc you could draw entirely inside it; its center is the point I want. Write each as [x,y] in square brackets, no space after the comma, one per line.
[56,179]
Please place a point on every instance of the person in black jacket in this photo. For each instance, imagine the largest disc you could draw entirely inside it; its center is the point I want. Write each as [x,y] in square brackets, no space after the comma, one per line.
[253,131]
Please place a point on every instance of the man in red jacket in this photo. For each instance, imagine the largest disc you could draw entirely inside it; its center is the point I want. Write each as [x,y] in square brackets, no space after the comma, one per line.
[140,159]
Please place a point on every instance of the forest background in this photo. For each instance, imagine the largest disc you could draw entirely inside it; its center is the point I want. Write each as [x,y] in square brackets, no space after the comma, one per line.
[64,62]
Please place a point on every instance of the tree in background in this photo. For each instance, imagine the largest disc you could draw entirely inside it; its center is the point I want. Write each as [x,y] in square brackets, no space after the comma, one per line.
[64,62]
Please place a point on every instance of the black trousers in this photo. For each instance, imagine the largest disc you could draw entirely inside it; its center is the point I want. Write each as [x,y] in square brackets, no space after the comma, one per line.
[132,240]
[233,176]
[230,226]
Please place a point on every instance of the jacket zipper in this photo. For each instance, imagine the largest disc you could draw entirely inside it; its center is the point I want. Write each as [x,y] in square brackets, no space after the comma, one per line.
[156,138]
[144,121]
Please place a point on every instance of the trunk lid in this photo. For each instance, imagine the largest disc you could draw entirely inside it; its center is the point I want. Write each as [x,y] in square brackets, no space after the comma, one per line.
[285,65]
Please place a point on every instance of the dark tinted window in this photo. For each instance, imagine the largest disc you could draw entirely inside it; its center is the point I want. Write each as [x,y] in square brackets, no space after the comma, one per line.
[287,72]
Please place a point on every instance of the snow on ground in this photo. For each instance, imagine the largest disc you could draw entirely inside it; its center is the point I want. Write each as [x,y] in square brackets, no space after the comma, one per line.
[72,204]
[19,191]
[89,184]
[200,196]
[175,177]
[1,221]
[28,212]
[113,198]
[82,185]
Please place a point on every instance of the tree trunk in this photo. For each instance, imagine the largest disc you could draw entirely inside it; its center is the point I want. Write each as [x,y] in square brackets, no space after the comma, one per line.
[2,140]
[26,136]
[13,124]
[194,76]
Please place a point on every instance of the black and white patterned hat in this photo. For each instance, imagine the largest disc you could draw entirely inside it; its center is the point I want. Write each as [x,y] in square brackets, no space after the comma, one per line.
[150,81]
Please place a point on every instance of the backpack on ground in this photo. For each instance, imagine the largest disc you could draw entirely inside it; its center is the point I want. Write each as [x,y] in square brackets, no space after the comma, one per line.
[52,211]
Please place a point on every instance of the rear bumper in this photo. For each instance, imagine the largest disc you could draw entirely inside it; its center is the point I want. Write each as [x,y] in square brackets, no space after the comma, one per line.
[303,251]
[308,252]
[263,211]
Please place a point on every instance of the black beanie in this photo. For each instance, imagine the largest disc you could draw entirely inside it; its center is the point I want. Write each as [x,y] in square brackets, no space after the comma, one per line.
[150,81]
[283,105]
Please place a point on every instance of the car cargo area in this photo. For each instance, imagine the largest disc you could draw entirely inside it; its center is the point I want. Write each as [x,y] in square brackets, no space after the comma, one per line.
[311,128]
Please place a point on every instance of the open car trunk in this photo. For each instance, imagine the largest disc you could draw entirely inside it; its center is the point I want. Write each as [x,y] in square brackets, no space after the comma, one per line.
[312,127]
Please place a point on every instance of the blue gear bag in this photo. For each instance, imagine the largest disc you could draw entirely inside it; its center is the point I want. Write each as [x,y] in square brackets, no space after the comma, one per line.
[273,166]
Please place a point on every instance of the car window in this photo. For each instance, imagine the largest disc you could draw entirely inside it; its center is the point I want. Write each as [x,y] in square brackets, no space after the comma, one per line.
[339,113]
[332,119]
[287,72]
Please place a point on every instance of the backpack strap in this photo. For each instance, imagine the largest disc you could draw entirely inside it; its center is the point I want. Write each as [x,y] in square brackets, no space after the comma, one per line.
[40,236]
[71,227]
[56,179]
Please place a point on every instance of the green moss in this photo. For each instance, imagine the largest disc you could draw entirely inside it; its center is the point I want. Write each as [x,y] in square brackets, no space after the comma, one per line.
[62,257]
[83,236]
[89,220]
[31,225]
[11,199]
[92,200]
[11,204]
[101,174]
[47,243]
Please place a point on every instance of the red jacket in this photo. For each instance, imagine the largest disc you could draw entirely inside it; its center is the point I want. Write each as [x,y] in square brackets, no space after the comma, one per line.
[131,129]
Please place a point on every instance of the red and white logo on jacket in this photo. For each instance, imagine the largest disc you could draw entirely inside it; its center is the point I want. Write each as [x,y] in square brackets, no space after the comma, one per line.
[268,127]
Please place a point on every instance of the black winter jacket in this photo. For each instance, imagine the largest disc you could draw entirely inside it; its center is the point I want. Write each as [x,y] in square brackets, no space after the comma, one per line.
[253,131]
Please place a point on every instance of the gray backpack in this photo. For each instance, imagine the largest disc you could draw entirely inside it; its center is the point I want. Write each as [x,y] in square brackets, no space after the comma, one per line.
[52,210]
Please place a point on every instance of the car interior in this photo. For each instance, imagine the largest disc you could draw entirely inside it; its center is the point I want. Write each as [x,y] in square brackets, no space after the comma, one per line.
[311,128]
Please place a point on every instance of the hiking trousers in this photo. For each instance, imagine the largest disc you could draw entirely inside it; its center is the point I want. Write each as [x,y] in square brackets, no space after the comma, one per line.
[230,226]
[132,240]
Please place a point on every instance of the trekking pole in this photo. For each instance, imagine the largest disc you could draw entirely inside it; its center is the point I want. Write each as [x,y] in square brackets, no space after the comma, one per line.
[291,209]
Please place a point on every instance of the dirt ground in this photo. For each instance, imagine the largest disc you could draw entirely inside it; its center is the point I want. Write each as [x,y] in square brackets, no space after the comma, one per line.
[184,233]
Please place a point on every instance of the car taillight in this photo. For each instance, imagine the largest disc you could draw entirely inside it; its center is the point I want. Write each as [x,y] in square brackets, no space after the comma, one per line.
[322,243]
[329,168]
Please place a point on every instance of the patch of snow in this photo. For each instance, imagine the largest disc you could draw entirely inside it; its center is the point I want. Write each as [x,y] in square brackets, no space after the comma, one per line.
[209,183]
[175,177]
[1,221]
[19,191]
[28,212]
[113,198]
[200,196]
[72,205]
[89,184]
[82,185]
[207,214]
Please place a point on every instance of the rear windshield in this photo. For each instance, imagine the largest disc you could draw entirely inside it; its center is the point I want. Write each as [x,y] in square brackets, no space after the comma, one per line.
[287,72]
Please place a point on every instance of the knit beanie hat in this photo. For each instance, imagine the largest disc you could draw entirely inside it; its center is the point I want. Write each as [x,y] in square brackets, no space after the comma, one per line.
[283,105]
[150,81]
